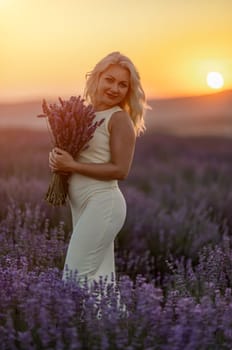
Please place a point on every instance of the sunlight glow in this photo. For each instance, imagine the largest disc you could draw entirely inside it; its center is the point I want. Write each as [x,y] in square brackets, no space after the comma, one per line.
[215,80]
[47,47]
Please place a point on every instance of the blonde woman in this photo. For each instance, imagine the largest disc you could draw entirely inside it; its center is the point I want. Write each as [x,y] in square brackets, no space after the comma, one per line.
[97,204]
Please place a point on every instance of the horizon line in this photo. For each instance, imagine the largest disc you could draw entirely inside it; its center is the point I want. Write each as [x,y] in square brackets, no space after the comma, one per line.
[16,101]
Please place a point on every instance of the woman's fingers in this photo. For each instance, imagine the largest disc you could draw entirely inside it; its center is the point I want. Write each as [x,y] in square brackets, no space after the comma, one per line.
[58,150]
[52,162]
[59,159]
[54,153]
[51,158]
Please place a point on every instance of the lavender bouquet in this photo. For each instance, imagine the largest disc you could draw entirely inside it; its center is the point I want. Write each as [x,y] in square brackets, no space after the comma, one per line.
[72,126]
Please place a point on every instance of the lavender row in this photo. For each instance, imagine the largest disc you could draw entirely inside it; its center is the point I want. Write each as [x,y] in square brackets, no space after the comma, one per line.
[38,311]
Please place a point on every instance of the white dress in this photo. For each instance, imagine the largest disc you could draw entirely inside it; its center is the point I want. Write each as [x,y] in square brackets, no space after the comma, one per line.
[98,213]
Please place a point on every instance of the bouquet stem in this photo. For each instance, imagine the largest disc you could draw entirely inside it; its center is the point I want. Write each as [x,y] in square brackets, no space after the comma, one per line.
[57,190]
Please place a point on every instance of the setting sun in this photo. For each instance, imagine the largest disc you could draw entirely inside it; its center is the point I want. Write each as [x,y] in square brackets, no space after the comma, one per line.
[215,80]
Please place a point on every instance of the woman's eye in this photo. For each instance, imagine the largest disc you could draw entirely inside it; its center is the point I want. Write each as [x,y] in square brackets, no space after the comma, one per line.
[123,85]
[109,80]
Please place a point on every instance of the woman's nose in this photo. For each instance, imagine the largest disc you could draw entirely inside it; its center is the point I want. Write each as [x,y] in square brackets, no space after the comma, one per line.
[114,88]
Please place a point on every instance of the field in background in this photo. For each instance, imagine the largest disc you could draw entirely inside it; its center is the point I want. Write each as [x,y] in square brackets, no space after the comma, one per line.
[173,255]
[199,115]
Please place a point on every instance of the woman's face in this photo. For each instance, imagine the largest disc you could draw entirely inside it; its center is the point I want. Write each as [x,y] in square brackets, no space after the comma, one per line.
[112,88]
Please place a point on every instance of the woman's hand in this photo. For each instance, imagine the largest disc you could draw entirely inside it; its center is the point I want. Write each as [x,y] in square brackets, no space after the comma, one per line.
[61,161]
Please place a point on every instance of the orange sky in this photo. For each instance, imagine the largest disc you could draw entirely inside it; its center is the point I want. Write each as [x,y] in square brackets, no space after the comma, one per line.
[48,46]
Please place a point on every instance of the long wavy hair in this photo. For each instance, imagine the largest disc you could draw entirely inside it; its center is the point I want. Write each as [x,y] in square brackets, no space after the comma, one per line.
[135,100]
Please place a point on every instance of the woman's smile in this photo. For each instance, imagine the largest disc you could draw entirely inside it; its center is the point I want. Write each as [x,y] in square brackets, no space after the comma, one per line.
[112,96]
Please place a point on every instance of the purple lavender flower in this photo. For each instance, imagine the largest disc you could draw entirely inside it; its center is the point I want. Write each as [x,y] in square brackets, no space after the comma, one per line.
[72,126]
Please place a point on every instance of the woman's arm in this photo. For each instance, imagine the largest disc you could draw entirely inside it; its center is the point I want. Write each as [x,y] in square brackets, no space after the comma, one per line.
[122,144]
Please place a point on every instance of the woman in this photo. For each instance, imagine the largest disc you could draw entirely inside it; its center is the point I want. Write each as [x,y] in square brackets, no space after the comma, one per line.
[97,205]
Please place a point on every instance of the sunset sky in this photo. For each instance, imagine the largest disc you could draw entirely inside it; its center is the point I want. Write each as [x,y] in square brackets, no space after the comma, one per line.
[47,46]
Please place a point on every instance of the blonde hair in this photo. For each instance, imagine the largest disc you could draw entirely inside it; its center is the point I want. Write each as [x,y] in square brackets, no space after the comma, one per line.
[135,100]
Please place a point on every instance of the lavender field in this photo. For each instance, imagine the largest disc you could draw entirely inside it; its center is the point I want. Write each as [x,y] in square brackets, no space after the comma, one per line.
[173,255]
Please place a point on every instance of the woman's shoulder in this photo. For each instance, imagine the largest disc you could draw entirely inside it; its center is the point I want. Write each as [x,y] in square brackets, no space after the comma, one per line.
[120,118]
[121,114]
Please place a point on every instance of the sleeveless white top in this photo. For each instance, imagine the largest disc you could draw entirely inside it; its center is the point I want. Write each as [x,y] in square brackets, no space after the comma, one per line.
[97,152]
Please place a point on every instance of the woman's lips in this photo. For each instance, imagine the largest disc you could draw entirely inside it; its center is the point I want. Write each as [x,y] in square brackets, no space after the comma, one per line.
[111,96]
